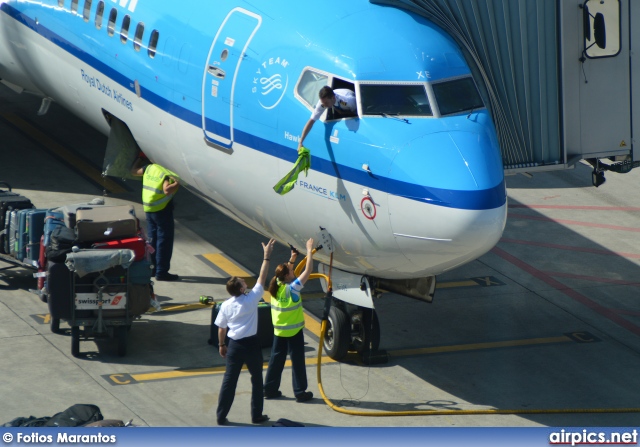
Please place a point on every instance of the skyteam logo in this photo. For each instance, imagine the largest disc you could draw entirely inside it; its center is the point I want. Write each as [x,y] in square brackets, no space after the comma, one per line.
[270,82]
[123,3]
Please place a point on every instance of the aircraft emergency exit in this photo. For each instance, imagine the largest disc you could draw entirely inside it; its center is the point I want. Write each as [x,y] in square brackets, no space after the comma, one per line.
[218,92]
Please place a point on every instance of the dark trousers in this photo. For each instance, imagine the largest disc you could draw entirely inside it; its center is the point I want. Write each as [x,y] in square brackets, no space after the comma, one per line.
[161,234]
[239,352]
[295,347]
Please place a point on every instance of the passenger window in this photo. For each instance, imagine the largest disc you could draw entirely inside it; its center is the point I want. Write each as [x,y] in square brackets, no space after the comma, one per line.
[153,43]
[137,41]
[310,84]
[394,100]
[124,30]
[61,3]
[457,96]
[86,12]
[99,14]
[74,5]
[111,26]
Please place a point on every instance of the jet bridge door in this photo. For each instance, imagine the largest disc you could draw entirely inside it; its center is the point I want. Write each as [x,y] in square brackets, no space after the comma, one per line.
[224,60]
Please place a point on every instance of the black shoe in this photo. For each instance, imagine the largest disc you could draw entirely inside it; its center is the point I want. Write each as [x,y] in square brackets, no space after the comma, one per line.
[223,421]
[167,277]
[303,397]
[260,419]
[273,395]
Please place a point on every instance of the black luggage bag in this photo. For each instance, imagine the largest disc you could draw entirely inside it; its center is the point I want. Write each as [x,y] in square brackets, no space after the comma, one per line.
[265,325]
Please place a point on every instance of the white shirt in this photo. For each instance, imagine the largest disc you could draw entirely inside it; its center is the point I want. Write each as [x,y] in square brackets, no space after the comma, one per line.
[345,102]
[239,314]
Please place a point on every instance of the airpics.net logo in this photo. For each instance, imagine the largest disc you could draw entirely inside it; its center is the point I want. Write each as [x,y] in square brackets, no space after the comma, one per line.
[270,81]
[586,437]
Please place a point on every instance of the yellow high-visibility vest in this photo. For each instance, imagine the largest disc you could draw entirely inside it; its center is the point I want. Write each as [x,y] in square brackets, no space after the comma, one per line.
[153,197]
[287,316]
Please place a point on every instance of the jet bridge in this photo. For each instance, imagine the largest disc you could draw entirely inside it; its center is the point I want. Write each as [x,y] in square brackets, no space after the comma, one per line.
[557,75]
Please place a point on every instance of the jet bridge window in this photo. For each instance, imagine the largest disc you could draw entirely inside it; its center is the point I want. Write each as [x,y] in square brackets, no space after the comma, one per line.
[394,99]
[124,29]
[86,12]
[457,96]
[601,28]
[99,14]
[111,26]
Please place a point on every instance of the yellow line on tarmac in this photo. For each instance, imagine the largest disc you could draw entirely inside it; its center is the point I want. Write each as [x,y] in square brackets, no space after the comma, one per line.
[197,372]
[64,153]
[479,346]
[225,264]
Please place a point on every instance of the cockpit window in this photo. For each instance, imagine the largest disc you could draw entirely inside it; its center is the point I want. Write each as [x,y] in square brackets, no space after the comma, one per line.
[457,96]
[395,99]
[310,84]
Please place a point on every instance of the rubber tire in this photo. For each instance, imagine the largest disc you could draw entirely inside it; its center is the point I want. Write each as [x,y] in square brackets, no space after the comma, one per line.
[338,336]
[121,336]
[75,341]
[371,329]
[369,332]
[55,325]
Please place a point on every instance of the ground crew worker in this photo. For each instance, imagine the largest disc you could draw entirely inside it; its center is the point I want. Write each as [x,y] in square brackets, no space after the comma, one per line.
[288,324]
[238,318]
[159,185]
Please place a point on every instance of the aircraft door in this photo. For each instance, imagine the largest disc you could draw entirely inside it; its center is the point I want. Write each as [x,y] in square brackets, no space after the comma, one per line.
[225,56]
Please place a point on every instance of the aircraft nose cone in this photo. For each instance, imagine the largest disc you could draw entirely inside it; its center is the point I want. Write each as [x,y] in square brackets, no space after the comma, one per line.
[454,208]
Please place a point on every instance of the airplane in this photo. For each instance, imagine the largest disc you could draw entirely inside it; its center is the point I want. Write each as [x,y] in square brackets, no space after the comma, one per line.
[219,92]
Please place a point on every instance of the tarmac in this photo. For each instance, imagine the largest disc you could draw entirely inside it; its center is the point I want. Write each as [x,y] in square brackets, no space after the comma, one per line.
[544,330]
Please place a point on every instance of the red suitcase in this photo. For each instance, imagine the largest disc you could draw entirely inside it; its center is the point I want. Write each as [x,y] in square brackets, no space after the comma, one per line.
[137,244]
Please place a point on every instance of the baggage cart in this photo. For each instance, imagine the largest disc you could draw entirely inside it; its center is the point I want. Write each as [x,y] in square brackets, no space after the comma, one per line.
[108,294]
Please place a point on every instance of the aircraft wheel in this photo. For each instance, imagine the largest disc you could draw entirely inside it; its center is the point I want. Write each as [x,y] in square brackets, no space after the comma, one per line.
[367,336]
[75,341]
[338,336]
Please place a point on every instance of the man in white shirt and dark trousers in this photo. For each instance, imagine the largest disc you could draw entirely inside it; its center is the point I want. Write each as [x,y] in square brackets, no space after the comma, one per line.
[238,318]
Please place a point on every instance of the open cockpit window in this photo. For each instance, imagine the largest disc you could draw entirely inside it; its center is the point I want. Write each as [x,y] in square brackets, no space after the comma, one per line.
[308,89]
[309,85]
[456,96]
[394,100]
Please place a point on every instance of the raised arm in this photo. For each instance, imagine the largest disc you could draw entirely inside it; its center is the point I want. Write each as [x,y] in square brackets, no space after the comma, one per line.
[264,269]
[309,265]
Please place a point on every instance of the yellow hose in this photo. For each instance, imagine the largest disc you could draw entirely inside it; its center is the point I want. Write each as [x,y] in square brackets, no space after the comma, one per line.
[334,407]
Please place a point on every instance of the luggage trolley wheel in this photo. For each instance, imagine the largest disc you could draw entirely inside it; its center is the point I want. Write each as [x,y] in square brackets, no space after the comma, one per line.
[75,341]
[121,336]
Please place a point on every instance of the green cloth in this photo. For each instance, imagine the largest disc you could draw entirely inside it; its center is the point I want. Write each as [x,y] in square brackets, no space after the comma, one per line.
[303,163]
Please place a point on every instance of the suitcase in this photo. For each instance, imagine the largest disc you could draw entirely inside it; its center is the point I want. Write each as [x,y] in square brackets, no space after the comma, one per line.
[9,201]
[68,212]
[30,231]
[106,223]
[53,219]
[265,325]
[42,266]
[137,244]
[11,232]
